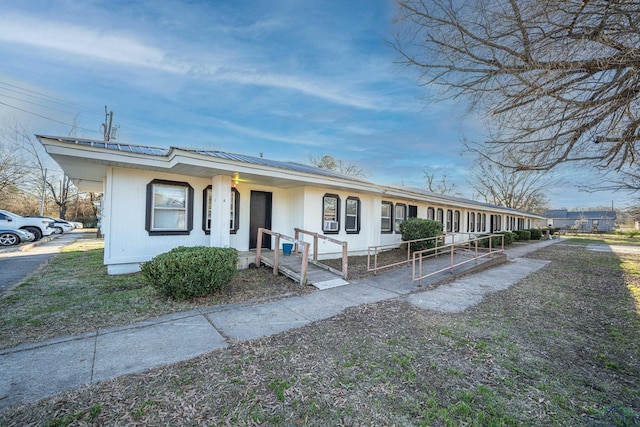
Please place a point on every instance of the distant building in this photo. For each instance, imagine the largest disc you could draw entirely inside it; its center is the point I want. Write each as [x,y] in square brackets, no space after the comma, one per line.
[582,221]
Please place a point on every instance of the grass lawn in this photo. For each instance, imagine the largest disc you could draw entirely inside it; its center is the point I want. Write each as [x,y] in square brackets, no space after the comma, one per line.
[558,348]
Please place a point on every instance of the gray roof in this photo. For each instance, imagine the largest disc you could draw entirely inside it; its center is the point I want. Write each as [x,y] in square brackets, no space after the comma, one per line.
[565,214]
[462,200]
[159,151]
[291,166]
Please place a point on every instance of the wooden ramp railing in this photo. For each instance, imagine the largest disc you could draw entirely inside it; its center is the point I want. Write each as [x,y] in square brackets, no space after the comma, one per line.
[316,237]
[276,260]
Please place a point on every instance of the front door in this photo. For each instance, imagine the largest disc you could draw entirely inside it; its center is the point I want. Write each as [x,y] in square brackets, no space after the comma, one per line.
[259,217]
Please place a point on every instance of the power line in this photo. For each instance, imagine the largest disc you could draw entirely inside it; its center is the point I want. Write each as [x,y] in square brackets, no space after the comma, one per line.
[47,118]
[46,97]
[35,103]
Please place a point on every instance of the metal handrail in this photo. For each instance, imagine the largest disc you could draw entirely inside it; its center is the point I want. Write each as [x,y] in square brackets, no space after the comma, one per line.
[316,236]
[471,244]
[378,248]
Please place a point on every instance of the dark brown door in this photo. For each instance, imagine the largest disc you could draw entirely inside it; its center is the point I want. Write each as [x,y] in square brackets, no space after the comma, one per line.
[260,217]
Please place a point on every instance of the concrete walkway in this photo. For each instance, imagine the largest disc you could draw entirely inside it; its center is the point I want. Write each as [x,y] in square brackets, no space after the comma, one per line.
[30,372]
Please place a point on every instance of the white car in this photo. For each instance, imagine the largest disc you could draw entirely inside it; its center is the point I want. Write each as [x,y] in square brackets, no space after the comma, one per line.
[39,227]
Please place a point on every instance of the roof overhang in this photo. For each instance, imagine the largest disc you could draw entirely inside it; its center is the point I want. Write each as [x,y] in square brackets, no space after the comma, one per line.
[86,163]
[87,167]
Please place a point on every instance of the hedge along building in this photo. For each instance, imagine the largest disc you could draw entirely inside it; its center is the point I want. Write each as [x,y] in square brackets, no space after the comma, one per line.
[155,199]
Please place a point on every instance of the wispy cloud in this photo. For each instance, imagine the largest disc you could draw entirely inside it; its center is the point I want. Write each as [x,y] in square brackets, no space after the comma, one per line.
[269,136]
[84,41]
[126,50]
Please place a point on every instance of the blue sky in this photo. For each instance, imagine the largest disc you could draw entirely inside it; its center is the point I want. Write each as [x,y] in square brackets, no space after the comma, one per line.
[285,78]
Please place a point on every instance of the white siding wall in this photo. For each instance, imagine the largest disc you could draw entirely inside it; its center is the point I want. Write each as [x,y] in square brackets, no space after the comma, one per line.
[127,242]
[357,242]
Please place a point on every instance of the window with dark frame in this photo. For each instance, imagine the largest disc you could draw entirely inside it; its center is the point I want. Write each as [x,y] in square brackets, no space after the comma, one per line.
[472,222]
[449,221]
[440,216]
[399,216]
[169,209]
[431,213]
[456,221]
[386,217]
[234,207]
[352,215]
[413,211]
[331,214]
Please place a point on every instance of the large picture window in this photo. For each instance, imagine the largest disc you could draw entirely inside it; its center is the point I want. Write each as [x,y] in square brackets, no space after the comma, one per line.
[400,216]
[386,215]
[234,207]
[169,208]
[352,215]
[330,213]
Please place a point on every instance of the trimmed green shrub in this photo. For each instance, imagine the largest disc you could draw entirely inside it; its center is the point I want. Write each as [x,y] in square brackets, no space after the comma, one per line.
[523,235]
[536,234]
[186,272]
[509,237]
[496,241]
[419,228]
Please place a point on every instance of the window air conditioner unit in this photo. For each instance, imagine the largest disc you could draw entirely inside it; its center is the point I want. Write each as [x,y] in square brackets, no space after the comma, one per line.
[331,226]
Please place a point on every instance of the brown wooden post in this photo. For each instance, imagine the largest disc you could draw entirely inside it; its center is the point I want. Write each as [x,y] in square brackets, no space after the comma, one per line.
[345,260]
[276,255]
[451,262]
[297,238]
[315,247]
[305,262]
[259,249]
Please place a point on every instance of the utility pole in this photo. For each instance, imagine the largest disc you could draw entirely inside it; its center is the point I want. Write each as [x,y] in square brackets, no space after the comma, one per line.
[107,127]
[44,192]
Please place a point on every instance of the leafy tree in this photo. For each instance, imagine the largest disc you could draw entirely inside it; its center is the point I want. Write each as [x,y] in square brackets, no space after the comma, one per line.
[557,81]
[330,163]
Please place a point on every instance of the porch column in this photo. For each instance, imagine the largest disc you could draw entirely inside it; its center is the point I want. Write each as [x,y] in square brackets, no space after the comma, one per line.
[220,211]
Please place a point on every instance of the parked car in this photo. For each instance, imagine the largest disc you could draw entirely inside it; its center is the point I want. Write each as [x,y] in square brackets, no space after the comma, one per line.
[39,227]
[14,237]
[59,225]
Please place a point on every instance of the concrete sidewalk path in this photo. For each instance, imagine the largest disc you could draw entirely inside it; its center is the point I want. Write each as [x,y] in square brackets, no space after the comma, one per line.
[30,372]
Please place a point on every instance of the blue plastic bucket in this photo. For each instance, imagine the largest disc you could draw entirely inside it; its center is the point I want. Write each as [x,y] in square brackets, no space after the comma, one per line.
[287,248]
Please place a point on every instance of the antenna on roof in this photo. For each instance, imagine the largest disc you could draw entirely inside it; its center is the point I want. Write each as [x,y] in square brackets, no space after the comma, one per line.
[107,127]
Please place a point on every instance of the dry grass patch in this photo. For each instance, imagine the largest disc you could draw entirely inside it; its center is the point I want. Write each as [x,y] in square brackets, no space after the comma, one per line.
[73,294]
[558,348]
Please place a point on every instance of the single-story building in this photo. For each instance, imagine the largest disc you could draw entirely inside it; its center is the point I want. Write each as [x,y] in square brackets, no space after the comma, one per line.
[582,221]
[155,199]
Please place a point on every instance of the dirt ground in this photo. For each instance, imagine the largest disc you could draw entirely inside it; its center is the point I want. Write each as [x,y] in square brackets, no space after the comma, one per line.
[558,348]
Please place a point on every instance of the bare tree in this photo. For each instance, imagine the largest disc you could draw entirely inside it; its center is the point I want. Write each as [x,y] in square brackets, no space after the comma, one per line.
[12,170]
[441,186]
[557,81]
[330,163]
[43,179]
[523,190]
